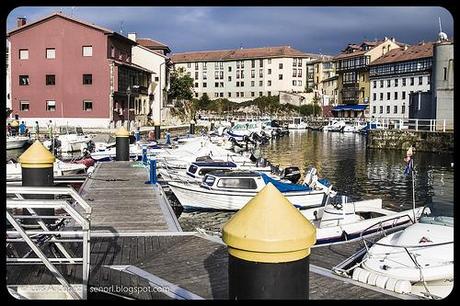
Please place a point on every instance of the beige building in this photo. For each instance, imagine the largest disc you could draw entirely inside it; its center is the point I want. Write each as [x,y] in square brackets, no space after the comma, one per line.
[245,74]
[352,68]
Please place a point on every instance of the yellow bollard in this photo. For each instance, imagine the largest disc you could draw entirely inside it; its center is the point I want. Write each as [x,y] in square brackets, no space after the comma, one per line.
[37,169]
[122,144]
[269,243]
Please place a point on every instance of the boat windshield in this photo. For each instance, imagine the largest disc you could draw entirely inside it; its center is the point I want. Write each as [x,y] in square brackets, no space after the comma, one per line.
[438,213]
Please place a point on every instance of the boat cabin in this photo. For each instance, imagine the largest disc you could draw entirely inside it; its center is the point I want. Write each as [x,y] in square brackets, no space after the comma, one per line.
[201,168]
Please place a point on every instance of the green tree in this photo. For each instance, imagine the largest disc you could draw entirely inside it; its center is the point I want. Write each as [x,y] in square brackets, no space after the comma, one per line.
[181,85]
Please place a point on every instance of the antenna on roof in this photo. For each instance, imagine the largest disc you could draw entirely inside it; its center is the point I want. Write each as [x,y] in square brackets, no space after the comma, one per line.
[440,27]
[121,27]
[441,35]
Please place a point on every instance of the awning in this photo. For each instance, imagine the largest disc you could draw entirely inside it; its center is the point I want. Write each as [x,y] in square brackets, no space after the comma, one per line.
[345,107]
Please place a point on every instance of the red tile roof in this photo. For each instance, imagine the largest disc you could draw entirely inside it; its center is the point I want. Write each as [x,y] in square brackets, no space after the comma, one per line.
[152,44]
[237,54]
[359,48]
[400,55]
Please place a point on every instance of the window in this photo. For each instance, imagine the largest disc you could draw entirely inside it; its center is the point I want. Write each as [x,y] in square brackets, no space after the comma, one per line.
[237,94]
[23,54]
[381,83]
[261,63]
[299,82]
[294,72]
[294,62]
[216,74]
[216,84]
[374,109]
[396,82]
[294,82]
[87,50]
[388,109]
[205,75]
[374,97]
[189,65]
[403,109]
[23,80]
[388,96]
[242,73]
[242,64]
[196,95]
[242,94]
[420,80]
[374,84]
[269,83]
[253,94]
[216,95]
[381,96]
[205,84]
[157,79]
[445,73]
[51,105]
[229,78]
[253,73]
[238,84]
[396,95]
[50,53]
[196,66]
[280,77]
[221,94]
[252,83]
[24,106]
[242,84]
[299,62]
[395,109]
[269,93]
[403,81]
[204,66]
[411,81]
[281,66]
[253,63]
[196,84]
[229,94]
[299,73]
[229,69]
[216,65]
[50,79]
[269,60]
[261,73]
[388,83]
[87,79]
[269,71]
[196,75]
[261,83]
[403,95]
[221,75]
[381,109]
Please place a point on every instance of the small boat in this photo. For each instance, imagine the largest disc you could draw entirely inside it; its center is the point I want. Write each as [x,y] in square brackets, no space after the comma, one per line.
[338,222]
[70,139]
[14,170]
[297,124]
[135,152]
[16,142]
[334,126]
[418,260]
[231,190]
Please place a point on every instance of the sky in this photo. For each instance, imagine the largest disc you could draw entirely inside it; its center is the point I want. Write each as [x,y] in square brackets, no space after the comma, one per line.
[324,30]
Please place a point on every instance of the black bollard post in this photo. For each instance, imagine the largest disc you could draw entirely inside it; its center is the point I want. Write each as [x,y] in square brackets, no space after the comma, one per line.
[37,170]
[269,244]
[157,131]
[192,127]
[122,144]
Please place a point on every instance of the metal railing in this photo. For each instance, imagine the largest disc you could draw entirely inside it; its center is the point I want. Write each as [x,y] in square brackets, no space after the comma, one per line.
[72,211]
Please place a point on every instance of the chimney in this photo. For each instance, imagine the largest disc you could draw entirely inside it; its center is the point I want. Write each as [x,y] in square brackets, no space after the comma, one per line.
[393,39]
[21,21]
[386,38]
[132,36]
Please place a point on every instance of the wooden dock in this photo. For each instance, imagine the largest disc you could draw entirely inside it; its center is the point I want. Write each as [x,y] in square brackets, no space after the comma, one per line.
[137,242]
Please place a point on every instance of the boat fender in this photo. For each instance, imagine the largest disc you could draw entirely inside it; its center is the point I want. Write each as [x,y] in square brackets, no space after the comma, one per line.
[391,284]
[381,281]
[403,286]
[363,276]
[356,273]
[371,280]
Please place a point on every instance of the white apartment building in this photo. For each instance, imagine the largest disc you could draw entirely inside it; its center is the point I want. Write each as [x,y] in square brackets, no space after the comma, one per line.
[397,75]
[151,55]
[245,74]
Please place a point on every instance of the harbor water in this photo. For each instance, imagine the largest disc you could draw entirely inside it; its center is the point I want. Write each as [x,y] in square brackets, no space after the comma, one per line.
[354,171]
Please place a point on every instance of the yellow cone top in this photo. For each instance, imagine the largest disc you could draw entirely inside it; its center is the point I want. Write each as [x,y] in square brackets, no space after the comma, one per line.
[269,229]
[36,156]
[15,123]
[122,132]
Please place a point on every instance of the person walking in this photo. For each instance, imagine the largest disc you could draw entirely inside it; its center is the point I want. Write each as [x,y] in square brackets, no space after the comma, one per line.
[50,129]
[37,130]
[22,128]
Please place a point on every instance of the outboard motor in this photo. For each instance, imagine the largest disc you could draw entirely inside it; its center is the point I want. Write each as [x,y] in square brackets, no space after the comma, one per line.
[262,162]
[291,174]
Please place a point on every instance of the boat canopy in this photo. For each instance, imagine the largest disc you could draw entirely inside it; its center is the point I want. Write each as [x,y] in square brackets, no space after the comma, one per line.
[353,107]
[214,164]
[284,187]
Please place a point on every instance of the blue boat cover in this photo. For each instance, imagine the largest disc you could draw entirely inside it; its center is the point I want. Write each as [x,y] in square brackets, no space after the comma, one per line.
[284,187]
[325,182]
[346,107]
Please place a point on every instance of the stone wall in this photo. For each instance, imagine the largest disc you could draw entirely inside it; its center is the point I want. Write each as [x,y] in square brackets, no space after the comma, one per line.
[401,140]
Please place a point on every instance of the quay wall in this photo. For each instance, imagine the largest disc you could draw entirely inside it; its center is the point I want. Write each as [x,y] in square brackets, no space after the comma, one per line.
[425,141]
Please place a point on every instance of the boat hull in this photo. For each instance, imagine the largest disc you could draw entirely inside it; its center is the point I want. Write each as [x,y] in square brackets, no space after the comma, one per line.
[16,143]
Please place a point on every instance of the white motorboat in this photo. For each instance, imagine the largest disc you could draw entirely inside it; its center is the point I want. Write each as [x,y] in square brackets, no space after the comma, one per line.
[418,260]
[231,190]
[16,142]
[70,139]
[334,126]
[346,221]
[14,170]
[297,124]
[102,153]
[242,129]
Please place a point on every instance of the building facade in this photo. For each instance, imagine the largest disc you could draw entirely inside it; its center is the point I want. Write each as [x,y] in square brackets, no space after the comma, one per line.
[75,73]
[398,77]
[443,85]
[245,74]
[352,68]
[152,55]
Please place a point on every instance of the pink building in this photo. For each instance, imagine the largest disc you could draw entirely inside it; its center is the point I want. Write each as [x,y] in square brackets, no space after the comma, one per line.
[75,73]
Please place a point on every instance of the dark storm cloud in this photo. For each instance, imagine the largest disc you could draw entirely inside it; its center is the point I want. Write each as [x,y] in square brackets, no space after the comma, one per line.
[311,29]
